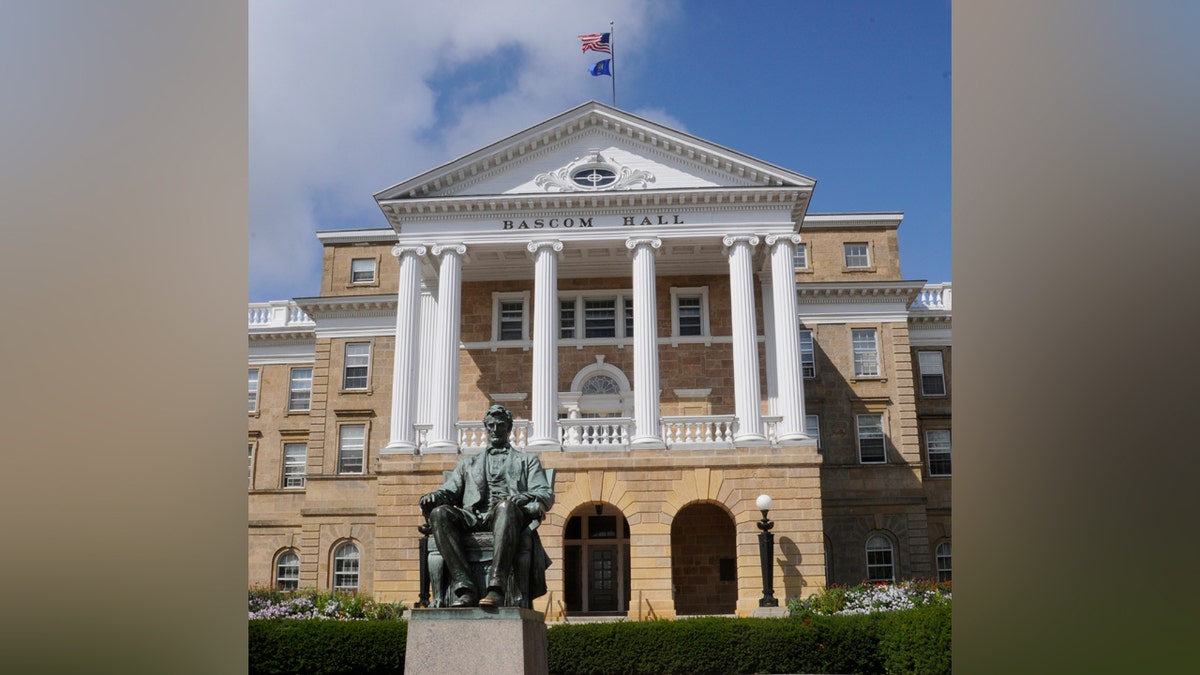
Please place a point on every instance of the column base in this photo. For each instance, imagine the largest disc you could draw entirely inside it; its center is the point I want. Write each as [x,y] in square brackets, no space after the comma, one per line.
[751,441]
[399,448]
[543,445]
[796,439]
[440,448]
[647,443]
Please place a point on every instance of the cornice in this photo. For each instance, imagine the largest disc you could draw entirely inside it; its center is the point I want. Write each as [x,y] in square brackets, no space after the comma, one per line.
[818,221]
[298,336]
[382,235]
[347,305]
[865,291]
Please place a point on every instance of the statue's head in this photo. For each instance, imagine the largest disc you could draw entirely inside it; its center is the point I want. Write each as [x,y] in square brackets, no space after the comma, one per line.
[500,417]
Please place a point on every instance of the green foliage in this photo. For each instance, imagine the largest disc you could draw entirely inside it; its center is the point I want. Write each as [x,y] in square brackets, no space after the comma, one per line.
[269,603]
[901,642]
[317,647]
[867,598]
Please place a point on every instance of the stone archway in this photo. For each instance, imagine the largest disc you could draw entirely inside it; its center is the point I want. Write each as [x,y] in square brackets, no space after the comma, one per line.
[596,560]
[704,560]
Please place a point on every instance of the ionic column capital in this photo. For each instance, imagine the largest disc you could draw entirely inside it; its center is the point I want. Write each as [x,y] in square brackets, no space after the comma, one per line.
[729,241]
[534,247]
[439,249]
[400,250]
[773,239]
[633,243]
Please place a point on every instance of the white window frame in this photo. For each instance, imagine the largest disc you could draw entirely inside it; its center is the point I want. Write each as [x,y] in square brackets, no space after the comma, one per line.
[812,427]
[346,366]
[678,293]
[860,433]
[938,447]
[498,300]
[564,305]
[866,360]
[253,377]
[808,354]
[293,390]
[347,563]
[931,365]
[374,262]
[280,579]
[943,561]
[875,546]
[865,255]
[293,469]
[800,257]
[622,299]
[343,459]
[250,452]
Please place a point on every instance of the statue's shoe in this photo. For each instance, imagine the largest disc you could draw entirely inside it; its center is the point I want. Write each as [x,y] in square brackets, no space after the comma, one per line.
[492,599]
[467,599]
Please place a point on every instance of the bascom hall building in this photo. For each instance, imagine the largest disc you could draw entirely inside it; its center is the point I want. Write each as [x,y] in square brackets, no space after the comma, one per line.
[675,335]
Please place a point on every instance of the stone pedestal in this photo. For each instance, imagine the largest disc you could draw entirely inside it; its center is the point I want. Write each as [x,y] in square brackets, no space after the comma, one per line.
[476,641]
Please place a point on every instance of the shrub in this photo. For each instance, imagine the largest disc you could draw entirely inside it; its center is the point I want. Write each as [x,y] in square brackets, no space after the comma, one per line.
[871,597]
[305,647]
[266,603]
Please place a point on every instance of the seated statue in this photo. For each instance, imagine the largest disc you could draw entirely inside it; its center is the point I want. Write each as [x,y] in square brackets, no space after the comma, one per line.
[502,492]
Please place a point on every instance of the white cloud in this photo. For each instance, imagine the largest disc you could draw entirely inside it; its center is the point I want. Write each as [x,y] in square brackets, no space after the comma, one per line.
[341,105]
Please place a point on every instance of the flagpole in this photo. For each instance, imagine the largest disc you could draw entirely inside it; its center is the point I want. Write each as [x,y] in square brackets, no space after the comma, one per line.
[612,55]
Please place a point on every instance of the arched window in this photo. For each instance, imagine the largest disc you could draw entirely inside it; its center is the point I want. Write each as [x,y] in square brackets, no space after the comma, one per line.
[287,571]
[943,561]
[600,384]
[879,559]
[345,567]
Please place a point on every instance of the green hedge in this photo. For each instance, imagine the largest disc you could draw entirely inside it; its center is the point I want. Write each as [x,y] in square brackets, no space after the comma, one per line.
[324,647]
[909,642]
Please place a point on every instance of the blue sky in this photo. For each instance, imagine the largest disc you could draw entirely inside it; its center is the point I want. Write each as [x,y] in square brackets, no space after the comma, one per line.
[349,98]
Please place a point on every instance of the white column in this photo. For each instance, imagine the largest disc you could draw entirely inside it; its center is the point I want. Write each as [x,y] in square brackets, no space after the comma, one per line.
[647,432]
[747,393]
[405,359]
[443,437]
[770,365]
[787,338]
[544,435]
[429,292]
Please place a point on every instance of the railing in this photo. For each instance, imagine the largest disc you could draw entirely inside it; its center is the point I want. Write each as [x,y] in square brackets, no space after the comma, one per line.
[472,436]
[595,433]
[933,297]
[683,431]
[278,314]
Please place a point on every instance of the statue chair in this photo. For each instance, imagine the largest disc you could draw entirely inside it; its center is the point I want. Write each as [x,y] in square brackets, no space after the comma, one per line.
[521,588]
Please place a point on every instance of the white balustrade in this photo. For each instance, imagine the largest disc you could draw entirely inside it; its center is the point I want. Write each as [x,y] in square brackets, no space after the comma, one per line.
[595,433]
[278,314]
[934,297]
[691,431]
[473,437]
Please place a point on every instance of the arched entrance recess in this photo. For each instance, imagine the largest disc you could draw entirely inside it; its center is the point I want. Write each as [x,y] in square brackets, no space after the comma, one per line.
[704,560]
[596,560]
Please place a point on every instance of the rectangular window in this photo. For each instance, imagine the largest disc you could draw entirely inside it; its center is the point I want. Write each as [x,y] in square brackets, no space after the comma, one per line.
[812,427]
[937,445]
[294,458]
[933,376]
[351,446]
[691,318]
[628,316]
[300,390]
[800,257]
[600,318]
[358,362]
[857,256]
[566,318]
[808,361]
[512,320]
[250,455]
[870,439]
[362,271]
[866,352]
[253,379]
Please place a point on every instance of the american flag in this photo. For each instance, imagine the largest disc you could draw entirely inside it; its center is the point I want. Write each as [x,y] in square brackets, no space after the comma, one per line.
[597,42]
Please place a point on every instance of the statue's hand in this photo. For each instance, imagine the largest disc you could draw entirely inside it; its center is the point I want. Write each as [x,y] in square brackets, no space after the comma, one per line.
[532,509]
[430,501]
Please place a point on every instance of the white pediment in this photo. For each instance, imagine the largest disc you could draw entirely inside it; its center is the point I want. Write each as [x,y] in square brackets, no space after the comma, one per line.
[594,148]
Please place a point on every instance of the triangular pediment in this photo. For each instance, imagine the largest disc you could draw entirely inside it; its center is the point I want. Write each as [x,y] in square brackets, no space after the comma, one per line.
[594,148]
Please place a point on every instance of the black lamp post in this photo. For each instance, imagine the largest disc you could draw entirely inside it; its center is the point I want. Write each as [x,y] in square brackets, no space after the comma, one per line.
[766,551]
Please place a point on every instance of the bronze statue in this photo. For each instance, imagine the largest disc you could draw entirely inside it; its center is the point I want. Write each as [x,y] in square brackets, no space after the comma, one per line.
[500,491]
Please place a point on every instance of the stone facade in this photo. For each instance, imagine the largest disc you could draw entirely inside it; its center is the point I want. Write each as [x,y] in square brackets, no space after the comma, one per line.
[657,532]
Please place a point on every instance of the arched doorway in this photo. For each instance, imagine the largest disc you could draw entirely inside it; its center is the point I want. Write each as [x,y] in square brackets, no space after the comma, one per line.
[596,560]
[704,560]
